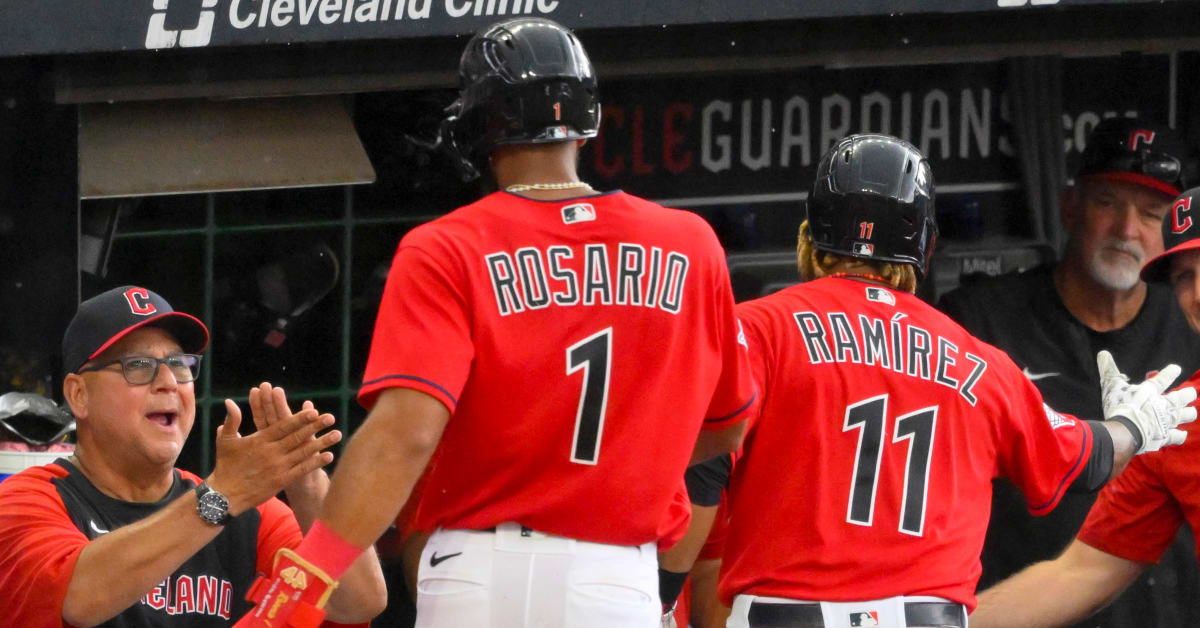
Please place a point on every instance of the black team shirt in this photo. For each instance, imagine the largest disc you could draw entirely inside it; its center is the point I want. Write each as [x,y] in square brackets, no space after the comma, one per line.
[1022,314]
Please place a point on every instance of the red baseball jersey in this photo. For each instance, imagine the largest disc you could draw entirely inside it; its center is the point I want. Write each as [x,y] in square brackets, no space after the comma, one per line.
[868,472]
[1139,511]
[42,531]
[580,346]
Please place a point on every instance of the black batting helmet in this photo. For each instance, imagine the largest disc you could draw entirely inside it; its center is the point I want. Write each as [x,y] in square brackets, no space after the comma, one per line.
[524,80]
[873,199]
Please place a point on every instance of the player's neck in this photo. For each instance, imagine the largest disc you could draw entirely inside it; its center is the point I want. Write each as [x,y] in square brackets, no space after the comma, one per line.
[118,482]
[1096,306]
[543,172]
[847,269]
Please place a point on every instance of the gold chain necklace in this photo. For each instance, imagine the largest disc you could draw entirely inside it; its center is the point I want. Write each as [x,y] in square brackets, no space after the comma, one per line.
[524,187]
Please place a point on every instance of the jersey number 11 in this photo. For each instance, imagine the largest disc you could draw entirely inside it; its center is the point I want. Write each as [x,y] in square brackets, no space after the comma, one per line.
[869,416]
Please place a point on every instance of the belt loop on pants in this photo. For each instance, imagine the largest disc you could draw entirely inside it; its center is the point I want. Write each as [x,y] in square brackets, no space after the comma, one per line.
[808,615]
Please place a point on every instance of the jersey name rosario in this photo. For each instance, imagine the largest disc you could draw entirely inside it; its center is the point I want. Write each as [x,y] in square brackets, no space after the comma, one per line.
[532,278]
[892,344]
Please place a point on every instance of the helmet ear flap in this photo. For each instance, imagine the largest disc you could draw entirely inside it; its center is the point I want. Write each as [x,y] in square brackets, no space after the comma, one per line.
[448,140]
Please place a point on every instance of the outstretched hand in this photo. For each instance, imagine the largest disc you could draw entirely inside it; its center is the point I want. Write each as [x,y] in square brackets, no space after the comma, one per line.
[1155,415]
[269,405]
[251,469]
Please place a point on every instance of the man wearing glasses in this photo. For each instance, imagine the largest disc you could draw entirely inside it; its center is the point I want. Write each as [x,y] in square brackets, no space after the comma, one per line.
[115,534]
[1053,319]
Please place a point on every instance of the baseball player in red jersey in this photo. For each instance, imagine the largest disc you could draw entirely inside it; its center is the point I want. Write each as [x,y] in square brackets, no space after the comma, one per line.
[567,352]
[883,422]
[1139,513]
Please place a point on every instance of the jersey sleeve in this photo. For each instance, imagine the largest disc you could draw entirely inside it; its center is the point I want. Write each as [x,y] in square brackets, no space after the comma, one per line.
[277,529]
[422,337]
[755,334]
[735,396]
[41,546]
[1040,450]
[1135,517]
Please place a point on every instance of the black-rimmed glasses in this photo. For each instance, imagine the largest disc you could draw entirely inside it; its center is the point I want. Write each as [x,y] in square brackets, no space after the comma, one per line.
[141,369]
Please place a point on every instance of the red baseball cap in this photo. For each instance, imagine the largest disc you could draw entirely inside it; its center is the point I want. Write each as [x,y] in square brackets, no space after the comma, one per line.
[1180,232]
[110,316]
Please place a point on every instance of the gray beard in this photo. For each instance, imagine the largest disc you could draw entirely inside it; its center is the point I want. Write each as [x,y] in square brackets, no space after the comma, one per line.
[1116,277]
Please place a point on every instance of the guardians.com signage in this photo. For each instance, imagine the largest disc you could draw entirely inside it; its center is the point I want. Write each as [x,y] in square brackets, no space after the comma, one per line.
[761,134]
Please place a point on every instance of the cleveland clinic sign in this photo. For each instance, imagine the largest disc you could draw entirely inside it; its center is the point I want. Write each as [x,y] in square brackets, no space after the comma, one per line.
[37,27]
[279,14]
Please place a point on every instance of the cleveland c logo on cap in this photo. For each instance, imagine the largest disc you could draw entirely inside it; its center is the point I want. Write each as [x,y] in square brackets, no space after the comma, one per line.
[1145,135]
[1182,205]
[139,301]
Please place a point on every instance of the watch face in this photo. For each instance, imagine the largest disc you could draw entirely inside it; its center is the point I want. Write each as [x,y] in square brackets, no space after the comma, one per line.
[213,507]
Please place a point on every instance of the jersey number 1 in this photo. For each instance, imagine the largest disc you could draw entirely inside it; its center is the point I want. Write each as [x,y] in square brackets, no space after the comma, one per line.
[592,356]
[869,417]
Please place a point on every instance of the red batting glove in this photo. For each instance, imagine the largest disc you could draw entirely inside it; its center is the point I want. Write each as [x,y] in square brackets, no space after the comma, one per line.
[293,597]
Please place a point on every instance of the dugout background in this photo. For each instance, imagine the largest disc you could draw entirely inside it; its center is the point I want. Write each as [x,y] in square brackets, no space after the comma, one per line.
[724,118]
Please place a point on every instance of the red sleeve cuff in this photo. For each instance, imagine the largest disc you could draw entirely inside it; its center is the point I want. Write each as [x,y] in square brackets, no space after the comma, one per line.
[369,393]
[722,422]
[1100,541]
[1085,453]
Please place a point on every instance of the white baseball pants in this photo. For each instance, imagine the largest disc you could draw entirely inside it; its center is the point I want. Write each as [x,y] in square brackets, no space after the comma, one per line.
[518,578]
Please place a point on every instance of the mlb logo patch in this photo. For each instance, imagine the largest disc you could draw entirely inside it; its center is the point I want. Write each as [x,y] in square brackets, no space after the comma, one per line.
[864,248]
[579,212]
[867,618]
[1056,419]
[879,295]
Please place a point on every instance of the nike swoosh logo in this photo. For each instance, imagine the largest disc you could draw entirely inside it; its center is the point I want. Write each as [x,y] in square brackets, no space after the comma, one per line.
[1033,377]
[435,560]
[95,528]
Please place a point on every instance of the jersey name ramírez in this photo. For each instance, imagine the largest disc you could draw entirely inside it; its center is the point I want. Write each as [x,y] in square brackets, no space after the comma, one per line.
[894,345]
[532,278]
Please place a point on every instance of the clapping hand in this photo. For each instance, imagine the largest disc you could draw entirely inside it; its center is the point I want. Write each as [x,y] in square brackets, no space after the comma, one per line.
[284,451]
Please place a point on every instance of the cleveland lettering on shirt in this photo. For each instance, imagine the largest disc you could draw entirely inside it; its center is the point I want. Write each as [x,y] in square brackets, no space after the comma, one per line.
[183,594]
[894,344]
[533,278]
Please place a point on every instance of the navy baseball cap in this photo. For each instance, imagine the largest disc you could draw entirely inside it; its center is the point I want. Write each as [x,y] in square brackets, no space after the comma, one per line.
[108,317]
[1180,232]
[1139,152]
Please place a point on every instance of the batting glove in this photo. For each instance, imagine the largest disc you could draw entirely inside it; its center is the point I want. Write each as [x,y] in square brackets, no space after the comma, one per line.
[293,597]
[668,617]
[1154,416]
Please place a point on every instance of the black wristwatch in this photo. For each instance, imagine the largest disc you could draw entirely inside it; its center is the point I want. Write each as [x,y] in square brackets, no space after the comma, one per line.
[211,505]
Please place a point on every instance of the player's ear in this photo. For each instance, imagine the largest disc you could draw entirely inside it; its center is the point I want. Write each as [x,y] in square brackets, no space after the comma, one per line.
[76,395]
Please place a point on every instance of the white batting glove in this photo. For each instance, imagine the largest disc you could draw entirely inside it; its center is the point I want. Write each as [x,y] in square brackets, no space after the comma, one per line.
[1156,416]
[668,618]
